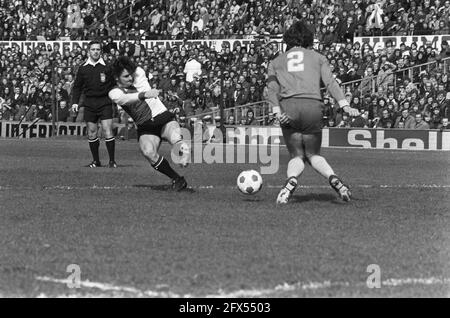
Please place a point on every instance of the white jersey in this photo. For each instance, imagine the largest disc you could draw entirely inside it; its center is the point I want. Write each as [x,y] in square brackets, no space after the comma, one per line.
[141,84]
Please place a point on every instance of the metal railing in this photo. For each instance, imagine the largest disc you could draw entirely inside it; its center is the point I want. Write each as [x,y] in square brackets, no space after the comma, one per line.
[410,72]
[260,110]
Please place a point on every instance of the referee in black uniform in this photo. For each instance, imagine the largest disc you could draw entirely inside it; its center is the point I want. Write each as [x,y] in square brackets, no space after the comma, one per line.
[95,81]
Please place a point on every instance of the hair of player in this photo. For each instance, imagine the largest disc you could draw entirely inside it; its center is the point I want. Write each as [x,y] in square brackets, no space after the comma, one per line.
[94,42]
[299,34]
[122,63]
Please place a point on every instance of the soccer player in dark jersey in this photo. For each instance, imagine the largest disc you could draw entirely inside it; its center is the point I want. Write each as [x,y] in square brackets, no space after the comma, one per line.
[93,79]
[294,81]
[154,122]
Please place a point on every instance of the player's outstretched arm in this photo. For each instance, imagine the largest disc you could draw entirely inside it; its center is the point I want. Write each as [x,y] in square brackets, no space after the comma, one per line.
[273,89]
[140,81]
[273,92]
[121,98]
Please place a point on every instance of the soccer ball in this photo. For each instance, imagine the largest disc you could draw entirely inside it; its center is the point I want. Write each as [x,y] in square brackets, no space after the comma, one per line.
[249,182]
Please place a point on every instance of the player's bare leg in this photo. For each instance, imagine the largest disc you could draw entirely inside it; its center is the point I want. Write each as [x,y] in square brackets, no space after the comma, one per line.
[94,144]
[149,145]
[295,169]
[181,151]
[320,164]
[295,166]
[110,141]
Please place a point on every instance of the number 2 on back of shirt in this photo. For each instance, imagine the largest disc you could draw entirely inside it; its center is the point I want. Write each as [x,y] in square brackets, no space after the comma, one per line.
[295,62]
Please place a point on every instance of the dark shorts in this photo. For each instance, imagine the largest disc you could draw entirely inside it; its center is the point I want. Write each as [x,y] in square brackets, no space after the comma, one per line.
[155,125]
[303,136]
[305,114]
[93,115]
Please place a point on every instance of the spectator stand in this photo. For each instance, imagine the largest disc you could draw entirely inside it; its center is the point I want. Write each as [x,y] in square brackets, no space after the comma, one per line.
[242,64]
[333,21]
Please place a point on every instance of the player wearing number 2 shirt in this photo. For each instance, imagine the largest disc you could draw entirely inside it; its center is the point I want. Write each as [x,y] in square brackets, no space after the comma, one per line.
[294,82]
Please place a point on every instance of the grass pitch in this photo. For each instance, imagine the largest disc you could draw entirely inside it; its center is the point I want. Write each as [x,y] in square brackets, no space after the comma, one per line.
[132,237]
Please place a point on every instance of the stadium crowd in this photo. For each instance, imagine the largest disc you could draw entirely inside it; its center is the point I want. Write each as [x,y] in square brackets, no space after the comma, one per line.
[189,74]
[334,20]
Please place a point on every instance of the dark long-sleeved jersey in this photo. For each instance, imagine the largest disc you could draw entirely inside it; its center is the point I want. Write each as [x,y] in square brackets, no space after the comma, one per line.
[298,73]
[95,82]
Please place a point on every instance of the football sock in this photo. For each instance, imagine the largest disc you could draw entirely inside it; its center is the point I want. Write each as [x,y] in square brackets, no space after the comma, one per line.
[321,166]
[163,166]
[295,167]
[111,146]
[291,184]
[94,144]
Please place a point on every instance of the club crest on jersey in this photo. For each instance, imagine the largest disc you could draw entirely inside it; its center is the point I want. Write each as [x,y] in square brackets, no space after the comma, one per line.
[102,77]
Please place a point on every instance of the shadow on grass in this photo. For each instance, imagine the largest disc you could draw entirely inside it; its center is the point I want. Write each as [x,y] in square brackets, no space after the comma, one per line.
[161,187]
[321,197]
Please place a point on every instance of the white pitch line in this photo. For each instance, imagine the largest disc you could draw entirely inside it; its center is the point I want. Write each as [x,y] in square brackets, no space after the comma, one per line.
[212,187]
[88,284]
[392,282]
[280,288]
[112,288]
[193,144]
[416,281]
[327,284]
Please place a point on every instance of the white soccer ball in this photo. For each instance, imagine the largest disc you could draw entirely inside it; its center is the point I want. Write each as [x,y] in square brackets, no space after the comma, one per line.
[249,182]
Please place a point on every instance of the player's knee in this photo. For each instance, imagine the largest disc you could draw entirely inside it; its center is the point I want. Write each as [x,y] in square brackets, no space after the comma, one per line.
[175,136]
[152,157]
[296,152]
[92,134]
[108,133]
[175,139]
[308,158]
[150,153]
[107,130]
[303,160]
[299,159]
